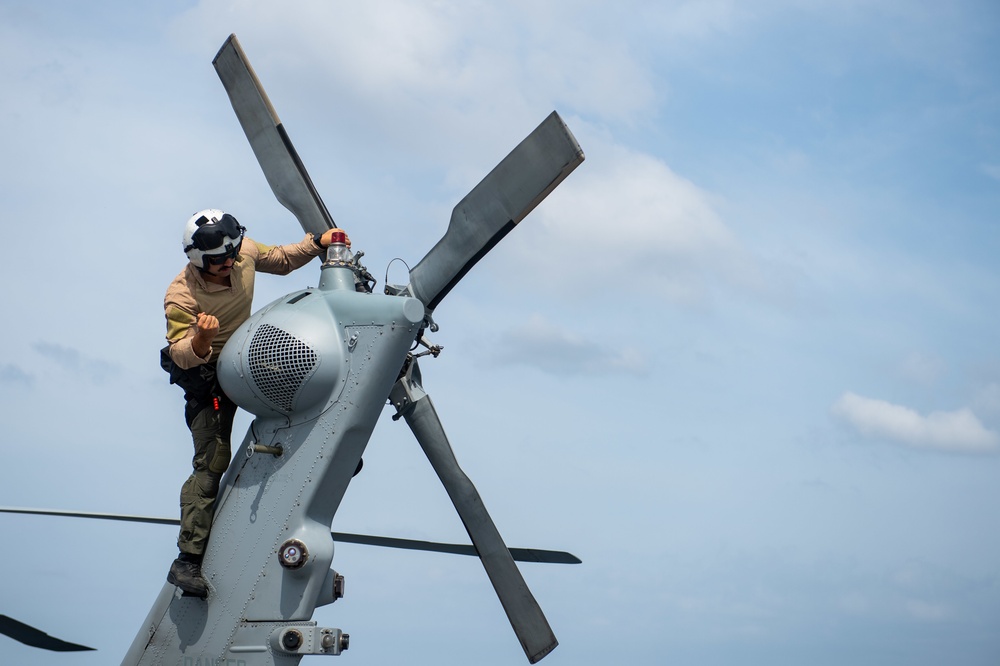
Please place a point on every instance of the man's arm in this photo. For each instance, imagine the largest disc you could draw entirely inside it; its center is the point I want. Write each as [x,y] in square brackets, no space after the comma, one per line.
[283,259]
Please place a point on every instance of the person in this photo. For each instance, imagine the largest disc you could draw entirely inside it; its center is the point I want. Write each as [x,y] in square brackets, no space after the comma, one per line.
[203,306]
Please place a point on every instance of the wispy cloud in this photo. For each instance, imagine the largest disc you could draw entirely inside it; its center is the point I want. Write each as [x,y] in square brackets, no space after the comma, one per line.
[992,170]
[926,611]
[72,360]
[959,430]
[543,345]
[922,368]
[987,401]
[12,374]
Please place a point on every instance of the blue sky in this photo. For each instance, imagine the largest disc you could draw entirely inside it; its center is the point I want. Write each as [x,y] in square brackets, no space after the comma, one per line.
[742,362]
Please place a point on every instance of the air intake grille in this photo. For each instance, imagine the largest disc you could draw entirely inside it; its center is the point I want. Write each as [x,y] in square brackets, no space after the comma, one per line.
[279,364]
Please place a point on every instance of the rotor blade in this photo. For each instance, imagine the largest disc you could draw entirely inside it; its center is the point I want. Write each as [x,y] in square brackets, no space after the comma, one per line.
[522,610]
[280,163]
[28,635]
[495,206]
[519,554]
[89,514]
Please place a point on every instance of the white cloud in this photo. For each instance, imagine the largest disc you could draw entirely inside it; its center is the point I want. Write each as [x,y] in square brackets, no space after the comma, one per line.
[449,62]
[959,430]
[625,219]
[633,220]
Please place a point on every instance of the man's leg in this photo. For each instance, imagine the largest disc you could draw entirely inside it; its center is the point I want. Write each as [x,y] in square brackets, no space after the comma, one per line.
[211,429]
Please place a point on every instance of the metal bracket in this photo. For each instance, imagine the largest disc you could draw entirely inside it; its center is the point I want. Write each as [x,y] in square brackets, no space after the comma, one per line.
[275,451]
[309,640]
[407,389]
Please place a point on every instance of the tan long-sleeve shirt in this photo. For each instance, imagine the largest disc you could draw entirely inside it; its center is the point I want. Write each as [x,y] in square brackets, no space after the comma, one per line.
[190,294]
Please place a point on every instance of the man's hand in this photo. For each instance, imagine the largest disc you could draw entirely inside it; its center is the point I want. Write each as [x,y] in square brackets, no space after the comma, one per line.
[327,237]
[206,328]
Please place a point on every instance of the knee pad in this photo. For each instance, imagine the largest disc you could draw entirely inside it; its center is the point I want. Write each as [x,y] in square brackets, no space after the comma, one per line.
[219,461]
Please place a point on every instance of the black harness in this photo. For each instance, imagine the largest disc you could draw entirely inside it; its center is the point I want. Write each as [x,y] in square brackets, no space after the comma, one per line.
[200,384]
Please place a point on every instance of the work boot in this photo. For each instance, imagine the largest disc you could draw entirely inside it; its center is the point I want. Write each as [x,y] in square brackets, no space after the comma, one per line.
[186,574]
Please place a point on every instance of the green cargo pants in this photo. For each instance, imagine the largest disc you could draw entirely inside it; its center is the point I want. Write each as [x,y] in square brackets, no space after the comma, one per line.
[211,429]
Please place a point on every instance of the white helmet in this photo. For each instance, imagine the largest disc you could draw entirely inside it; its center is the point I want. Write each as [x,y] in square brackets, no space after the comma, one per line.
[213,234]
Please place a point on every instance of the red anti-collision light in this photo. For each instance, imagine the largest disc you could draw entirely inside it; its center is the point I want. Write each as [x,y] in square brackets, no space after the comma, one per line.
[338,237]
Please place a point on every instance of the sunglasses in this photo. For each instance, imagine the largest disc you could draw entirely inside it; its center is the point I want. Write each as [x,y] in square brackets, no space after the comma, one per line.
[212,234]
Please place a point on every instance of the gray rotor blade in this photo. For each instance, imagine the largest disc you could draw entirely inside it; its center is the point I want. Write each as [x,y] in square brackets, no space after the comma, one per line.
[495,206]
[524,613]
[519,554]
[280,163]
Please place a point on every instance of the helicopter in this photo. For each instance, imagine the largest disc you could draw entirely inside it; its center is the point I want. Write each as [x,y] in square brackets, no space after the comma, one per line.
[316,368]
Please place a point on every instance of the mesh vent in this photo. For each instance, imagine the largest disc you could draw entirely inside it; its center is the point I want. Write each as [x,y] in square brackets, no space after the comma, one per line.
[279,364]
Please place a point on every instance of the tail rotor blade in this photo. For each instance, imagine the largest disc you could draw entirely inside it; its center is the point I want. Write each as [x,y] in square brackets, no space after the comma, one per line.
[282,167]
[524,613]
[495,206]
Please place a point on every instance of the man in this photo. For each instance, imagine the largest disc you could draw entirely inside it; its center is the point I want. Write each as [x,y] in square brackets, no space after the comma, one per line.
[204,306]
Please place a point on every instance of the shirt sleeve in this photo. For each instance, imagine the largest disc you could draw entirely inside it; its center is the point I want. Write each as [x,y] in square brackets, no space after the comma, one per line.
[283,259]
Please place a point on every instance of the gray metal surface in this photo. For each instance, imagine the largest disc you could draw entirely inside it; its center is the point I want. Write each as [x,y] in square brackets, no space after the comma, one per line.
[278,160]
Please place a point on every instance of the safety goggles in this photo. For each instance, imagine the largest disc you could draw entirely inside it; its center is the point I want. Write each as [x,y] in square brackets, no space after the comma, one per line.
[218,259]
[212,234]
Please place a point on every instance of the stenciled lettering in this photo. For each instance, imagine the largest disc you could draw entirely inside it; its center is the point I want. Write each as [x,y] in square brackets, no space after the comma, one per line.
[209,661]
